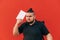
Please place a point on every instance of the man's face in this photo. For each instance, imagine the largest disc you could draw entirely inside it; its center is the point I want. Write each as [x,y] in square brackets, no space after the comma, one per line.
[30,17]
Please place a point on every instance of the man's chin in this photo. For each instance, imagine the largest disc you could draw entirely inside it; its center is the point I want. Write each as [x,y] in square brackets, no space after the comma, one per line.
[30,22]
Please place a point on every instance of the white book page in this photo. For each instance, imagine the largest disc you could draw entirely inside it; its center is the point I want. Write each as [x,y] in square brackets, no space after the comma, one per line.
[21,15]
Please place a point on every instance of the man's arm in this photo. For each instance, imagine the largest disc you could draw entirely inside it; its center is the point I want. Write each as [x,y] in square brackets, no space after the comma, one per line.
[15,29]
[49,36]
[46,32]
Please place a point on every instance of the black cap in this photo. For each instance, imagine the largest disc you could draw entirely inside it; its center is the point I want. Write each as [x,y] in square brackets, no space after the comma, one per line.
[30,10]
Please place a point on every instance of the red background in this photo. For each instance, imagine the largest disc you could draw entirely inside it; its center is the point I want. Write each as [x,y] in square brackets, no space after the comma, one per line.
[47,10]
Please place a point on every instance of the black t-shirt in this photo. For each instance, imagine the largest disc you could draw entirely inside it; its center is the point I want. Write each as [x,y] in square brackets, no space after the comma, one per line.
[33,32]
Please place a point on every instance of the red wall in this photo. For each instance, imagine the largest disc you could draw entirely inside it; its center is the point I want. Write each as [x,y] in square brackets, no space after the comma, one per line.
[47,10]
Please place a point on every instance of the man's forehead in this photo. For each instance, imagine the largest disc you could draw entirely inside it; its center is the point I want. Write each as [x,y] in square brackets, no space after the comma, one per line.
[29,13]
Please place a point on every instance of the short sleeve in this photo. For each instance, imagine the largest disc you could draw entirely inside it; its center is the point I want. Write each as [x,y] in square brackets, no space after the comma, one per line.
[44,29]
[20,28]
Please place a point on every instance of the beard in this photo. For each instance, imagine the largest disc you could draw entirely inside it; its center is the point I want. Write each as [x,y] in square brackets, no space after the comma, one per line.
[30,22]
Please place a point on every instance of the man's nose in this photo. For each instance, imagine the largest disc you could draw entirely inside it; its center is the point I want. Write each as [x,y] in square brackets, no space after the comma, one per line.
[28,17]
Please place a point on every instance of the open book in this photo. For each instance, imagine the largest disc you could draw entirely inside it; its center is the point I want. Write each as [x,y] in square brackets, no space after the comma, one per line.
[21,15]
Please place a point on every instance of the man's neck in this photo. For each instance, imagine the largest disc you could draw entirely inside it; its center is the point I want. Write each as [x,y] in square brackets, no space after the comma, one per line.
[32,23]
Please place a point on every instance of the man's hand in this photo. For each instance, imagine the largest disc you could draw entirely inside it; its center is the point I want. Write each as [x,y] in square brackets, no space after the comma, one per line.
[49,37]
[18,21]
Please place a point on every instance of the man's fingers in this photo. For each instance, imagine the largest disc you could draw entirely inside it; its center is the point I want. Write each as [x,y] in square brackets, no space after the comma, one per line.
[19,21]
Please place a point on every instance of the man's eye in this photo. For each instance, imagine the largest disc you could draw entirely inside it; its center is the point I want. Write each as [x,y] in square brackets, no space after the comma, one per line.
[30,16]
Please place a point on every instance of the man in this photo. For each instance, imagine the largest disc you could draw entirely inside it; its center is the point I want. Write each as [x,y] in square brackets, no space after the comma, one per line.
[32,29]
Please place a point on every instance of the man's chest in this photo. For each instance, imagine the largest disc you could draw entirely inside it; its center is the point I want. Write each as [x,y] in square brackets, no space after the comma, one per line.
[32,30]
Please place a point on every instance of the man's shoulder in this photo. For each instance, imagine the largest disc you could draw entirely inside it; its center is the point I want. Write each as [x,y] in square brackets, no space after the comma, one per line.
[40,21]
